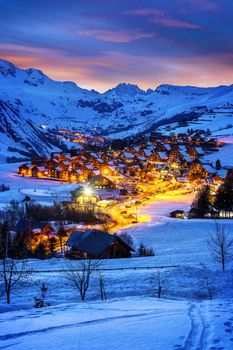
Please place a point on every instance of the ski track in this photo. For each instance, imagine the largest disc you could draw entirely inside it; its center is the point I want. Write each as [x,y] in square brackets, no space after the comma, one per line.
[197,336]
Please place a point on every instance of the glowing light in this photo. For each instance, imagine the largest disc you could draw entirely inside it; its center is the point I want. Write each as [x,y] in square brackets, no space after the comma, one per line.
[87,191]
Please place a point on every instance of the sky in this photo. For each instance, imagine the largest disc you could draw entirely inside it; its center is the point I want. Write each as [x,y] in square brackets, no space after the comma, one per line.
[100,43]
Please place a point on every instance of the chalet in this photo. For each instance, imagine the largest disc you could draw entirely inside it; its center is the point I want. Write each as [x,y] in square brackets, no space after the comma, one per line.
[178,214]
[51,163]
[84,196]
[53,172]
[192,152]
[35,227]
[23,170]
[96,244]
[34,171]
[128,157]
[198,171]
[102,182]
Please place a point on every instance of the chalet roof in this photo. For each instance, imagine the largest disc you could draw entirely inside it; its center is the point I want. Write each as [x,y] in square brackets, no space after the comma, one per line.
[24,224]
[128,155]
[222,173]
[167,146]
[25,166]
[100,176]
[148,151]
[93,242]
[209,168]
[162,155]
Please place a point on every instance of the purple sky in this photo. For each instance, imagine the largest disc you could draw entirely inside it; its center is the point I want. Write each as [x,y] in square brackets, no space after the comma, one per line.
[99,43]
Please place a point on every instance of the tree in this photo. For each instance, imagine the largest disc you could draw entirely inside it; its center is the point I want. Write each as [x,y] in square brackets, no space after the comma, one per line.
[80,274]
[145,251]
[218,164]
[221,246]
[12,273]
[40,251]
[202,204]
[61,233]
[52,244]
[40,301]
[224,197]
[20,245]
[4,240]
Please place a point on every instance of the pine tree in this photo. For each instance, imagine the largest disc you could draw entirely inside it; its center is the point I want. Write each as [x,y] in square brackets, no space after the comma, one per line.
[202,204]
[224,198]
[218,164]
[61,233]
[52,244]
[40,251]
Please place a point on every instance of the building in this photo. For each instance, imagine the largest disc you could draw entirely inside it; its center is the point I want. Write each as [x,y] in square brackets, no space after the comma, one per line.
[102,182]
[84,196]
[178,214]
[197,171]
[35,227]
[23,170]
[96,244]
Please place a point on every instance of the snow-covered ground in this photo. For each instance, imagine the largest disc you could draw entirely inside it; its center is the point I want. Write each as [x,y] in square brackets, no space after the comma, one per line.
[132,317]
[129,323]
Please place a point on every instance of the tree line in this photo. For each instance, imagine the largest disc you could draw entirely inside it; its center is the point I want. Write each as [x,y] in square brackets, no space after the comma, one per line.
[206,203]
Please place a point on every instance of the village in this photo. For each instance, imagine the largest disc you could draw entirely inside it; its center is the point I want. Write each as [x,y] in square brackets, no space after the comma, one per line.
[115,180]
[176,158]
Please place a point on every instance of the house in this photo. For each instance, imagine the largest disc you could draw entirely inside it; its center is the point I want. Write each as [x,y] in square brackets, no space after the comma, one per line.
[34,171]
[102,182]
[198,171]
[178,214]
[25,225]
[96,244]
[23,170]
[84,195]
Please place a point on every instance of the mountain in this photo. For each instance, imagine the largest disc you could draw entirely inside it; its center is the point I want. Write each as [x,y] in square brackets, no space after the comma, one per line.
[34,107]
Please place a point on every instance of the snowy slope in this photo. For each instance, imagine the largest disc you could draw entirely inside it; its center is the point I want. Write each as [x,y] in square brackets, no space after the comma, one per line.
[31,104]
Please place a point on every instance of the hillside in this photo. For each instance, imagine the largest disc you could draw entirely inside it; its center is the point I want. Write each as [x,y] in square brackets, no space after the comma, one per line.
[32,105]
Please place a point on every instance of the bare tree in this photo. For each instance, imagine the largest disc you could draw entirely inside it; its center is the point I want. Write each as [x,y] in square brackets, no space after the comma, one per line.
[206,289]
[221,246]
[13,272]
[80,274]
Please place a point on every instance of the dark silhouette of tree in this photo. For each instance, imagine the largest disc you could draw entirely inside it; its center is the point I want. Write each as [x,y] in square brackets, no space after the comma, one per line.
[202,203]
[40,251]
[218,164]
[52,246]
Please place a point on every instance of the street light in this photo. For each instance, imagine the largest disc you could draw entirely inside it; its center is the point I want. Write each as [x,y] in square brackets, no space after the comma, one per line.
[87,191]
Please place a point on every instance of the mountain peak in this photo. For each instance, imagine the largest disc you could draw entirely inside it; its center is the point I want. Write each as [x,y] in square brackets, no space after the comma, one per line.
[7,69]
[126,89]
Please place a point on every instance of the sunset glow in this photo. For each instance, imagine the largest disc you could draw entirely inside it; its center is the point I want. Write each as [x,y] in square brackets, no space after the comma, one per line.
[100,44]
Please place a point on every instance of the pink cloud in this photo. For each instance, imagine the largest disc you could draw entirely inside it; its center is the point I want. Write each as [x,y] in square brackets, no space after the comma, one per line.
[114,36]
[162,18]
[174,23]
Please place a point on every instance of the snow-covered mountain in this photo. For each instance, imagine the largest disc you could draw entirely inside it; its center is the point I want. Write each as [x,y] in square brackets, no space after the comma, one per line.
[32,104]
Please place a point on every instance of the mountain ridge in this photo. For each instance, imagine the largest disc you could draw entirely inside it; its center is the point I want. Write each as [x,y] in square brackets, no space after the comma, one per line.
[32,104]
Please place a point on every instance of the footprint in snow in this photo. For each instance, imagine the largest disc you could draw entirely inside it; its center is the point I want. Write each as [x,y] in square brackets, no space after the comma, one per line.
[217,340]
[228,330]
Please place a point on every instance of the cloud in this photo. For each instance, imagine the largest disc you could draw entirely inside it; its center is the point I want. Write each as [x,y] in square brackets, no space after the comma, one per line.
[199,6]
[146,12]
[161,17]
[174,23]
[114,36]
